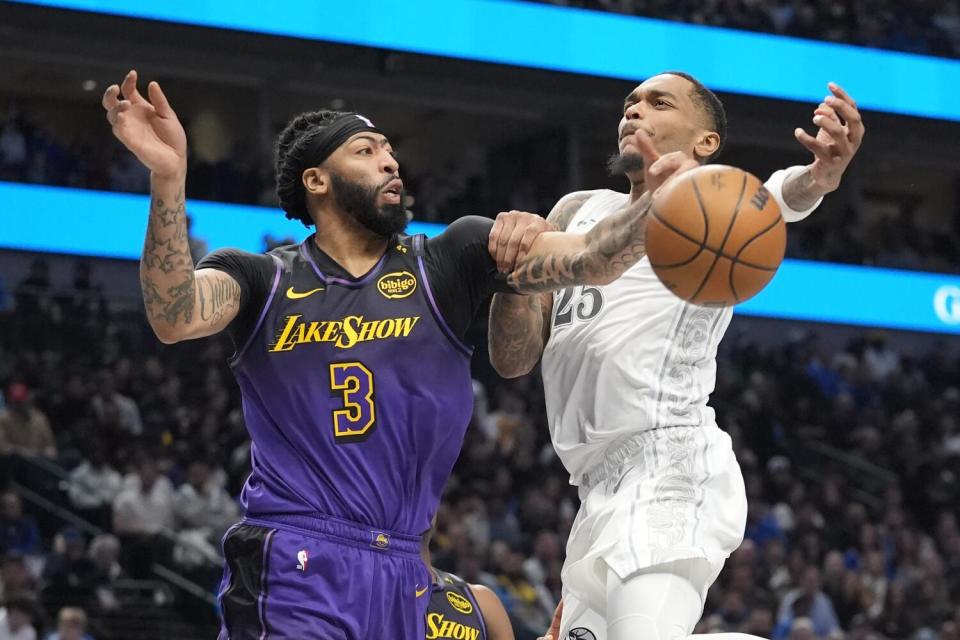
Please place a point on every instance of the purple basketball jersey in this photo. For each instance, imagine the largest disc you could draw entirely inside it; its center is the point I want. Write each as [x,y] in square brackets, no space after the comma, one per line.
[355,393]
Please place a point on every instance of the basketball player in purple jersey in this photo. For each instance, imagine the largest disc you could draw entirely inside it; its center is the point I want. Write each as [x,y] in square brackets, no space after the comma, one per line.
[458,609]
[349,355]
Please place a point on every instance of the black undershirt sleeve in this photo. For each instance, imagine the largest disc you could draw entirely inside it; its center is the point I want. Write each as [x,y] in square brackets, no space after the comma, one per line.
[254,272]
[462,272]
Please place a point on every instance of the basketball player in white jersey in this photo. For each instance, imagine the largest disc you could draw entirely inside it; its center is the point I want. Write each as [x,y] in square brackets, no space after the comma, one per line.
[628,368]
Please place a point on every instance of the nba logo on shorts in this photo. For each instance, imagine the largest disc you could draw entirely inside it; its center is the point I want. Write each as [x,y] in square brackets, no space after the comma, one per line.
[302,558]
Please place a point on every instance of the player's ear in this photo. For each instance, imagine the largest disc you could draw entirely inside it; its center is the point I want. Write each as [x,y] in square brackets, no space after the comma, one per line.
[707,144]
[316,181]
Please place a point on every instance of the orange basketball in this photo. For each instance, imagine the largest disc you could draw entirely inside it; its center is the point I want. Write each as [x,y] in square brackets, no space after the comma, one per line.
[715,236]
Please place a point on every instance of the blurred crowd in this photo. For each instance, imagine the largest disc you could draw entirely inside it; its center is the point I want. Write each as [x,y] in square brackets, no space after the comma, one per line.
[930,27]
[851,457]
[31,150]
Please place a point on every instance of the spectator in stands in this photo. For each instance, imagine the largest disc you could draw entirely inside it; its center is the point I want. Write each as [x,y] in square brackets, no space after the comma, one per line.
[94,485]
[18,530]
[17,617]
[24,429]
[105,554]
[71,625]
[203,503]
[69,575]
[13,149]
[141,513]
[15,577]
[808,603]
[106,397]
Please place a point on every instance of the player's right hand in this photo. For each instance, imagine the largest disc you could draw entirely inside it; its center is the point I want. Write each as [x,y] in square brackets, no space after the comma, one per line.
[512,235]
[660,169]
[553,633]
[148,128]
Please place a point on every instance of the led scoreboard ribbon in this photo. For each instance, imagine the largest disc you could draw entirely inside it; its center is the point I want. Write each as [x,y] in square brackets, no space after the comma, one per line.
[113,225]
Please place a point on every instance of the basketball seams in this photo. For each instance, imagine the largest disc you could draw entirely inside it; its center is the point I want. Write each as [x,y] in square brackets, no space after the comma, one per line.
[726,235]
[682,235]
[736,259]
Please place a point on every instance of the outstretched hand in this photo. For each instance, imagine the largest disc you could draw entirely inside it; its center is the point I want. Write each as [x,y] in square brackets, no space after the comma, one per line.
[148,128]
[838,139]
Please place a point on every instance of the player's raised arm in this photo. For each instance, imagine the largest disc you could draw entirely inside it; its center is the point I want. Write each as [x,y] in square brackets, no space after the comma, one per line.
[615,244]
[181,303]
[519,324]
[838,139]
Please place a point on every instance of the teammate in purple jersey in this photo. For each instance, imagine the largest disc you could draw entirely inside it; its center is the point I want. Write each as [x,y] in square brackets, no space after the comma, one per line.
[349,355]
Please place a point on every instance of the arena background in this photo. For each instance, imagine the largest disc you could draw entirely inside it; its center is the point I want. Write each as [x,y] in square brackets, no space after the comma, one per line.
[840,385]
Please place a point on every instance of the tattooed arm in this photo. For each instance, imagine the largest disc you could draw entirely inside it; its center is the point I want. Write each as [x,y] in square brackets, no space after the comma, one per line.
[180,303]
[519,324]
[599,257]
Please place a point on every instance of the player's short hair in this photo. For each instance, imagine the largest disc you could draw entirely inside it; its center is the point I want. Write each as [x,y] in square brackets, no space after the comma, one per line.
[290,160]
[711,107]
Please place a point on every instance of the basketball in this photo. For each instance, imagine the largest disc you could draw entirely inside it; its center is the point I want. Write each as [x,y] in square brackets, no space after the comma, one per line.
[715,236]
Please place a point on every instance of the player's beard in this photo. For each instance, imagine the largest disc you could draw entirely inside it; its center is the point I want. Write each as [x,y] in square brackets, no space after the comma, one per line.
[622,163]
[360,201]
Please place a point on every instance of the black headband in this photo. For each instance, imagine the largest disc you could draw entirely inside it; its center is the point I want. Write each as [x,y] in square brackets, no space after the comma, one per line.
[334,135]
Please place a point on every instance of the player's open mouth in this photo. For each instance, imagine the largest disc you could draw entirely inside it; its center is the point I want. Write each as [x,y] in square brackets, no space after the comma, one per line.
[394,191]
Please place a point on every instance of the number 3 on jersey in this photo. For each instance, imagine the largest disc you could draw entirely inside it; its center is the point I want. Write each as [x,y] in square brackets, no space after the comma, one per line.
[585,309]
[353,382]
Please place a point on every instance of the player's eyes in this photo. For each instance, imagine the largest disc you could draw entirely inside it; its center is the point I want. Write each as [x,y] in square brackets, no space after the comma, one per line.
[661,103]
[365,151]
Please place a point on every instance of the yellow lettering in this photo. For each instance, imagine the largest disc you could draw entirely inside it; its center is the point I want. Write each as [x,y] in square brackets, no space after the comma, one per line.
[349,336]
[368,331]
[385,330]
[405,326]
[433,620]
[446,628]
[344,333]
[331,332]
[282,344]
[313,332]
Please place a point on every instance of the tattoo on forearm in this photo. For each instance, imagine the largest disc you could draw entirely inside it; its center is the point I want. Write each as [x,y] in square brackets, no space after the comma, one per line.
[800,191]
[515,338]
[166,269]
[563,213]
[613,246]
[218,296]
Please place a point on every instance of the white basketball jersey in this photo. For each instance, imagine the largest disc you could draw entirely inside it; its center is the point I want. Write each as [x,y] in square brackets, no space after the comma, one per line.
[629,356]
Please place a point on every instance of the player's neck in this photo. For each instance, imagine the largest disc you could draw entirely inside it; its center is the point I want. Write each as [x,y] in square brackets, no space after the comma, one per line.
[638,185]
[348,243]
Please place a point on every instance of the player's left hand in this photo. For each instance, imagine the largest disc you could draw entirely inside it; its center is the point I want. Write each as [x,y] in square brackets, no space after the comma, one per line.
[512,236]
[841,132]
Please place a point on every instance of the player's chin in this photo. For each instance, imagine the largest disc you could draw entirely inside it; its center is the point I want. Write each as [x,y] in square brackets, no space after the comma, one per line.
[626,162]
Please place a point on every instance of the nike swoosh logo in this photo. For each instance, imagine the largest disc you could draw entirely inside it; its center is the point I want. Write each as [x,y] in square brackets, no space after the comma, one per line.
[293,295]
[420,592]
